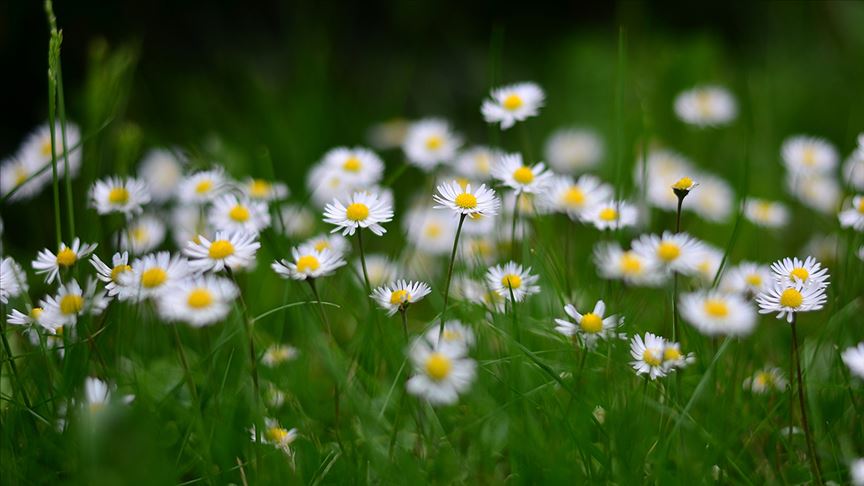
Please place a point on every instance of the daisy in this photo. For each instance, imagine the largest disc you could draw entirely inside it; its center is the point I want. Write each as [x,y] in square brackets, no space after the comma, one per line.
[854,359]
[591,326]
[792,272]
[511,280]
[144,234]
[475,163]
[856,472]
[358,166]
[203,186]
[264,190]
[511,171]
[430,231]
[398,295]
[37,147]
[32,317]
[198,301]
[705,106]
[766,380]
[613,263]
[853,217]
[853,168]
[96,394]
[234,250]
[480,200]
[610,215]
[111,275]
[573,198]
[455,334]
[716,313]
[571,150]
[70,302]
[674,359]
[441,373]
[276,435]
[335,243]
[152,275]
[308,263]
[512,103]
[673,252]
[230,213]
[808,155]
[50,264]
[647,355]
[818,192]
[478,250]
[747,278]
[713,200]
[161,170]
[23,176]
[789,300]
[297,221]
[13,280]
[363,210]
[768,214]
[430,142]
[278,354]
[708,263]
[117,195]
[380,267]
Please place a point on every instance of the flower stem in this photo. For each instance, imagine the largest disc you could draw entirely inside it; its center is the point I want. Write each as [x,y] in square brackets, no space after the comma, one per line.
[802,402]
[61,110]
[363,261]
[513,226]
[450,276]
[404,313]
[189,382]
[324,319]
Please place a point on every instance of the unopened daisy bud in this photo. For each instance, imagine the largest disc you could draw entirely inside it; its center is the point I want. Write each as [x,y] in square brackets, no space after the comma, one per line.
[398,295]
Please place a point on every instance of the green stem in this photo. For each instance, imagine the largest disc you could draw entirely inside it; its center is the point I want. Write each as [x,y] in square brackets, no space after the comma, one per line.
[363,261]
[802,402]
[70,207]
[324,319]
[513,226]
[14,369]
[189,381]
[450,276]
[52,90]
[404,313]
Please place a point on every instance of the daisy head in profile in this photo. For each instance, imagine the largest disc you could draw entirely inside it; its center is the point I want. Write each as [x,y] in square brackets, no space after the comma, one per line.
[716,313]
[647,354]
[308,263]
[854,359]
[768,214]
[511,281]
[264,190]
[509,104]
[614,263]
[794,272]
[397,296]
[589,327]
[573,198]
[49,264]
[430,142]
[358,166]
[278,354]
[110,275]
[202,186]
[674,358]
[152,275]
[31,317]
[854,216]
[788,300]
[13,280]
[804,154]
[705,106]
[441,373]
[513,173]
[198,301]
[610,215]
[235,250]
[276,435]
[230,213]
[70,302]
[673,252]
[361,210]
[467,200]
[766,380]
[119,195]
[572,150]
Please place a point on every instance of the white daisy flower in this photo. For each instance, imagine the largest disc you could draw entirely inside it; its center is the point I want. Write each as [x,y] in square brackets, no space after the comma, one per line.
[381,269]
[766,380]
[358,166]
[747,278]
[276,435]
[818,192]
[480,200]
[264,190]
[161,170]
[768,214]
[118,195]
[202,186]
[856,472]
[388,134]
[647,355]
[430,142]
[591,326]
[308,263]
[512,103]
[362,210]
[480,251]
[441,373]
[430,231]
[716,313]
[613,263]
[713,199]
[708,263]
[198,301]
[853,168]
[277,354]
[398,295]
[37,147]
[475,163]
[610,215]
[511,277]
[153,275]
[854,359]
[511,171]
[234,250]
[230,213]
[456,334]
[573,198]
[144,234]
[854,216]
[808,155]
[572,150]
[786,301]
[792,272]
[297,221]
[111,275]
[13,280]
[31,318]
[96,394]
[70,302]
[50,264]
[336,243]
[705,106]
[187,222]
[674,359]
[672,252]
[20,174]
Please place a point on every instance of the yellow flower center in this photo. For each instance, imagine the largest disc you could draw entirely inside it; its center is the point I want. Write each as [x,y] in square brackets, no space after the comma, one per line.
[523,175]
[153,277]
[434,142]
[357,212]
[46,147]
[204,186]
[433,231]
[511,280]
[21,175]
[683,184]
[259,189]
[399,297]
[791,298]
[118,195]
[466,201]
[307,263]
[861,205]
[352,164]
[651,358]
[482,164]
[754,280]
[809,156]
[799,273]
[591,323]
[438,366]
[322,245]
[762,378]
[71,304]
[631,264]
[512,102]
[139,234]
[220,249]
[199,298]
[608,214]
[668,251]
[239,213]
[450,335]
[671,354]
[716,308]
[66,257]
[35,313]
[116,271]
[574,197]
[276,434]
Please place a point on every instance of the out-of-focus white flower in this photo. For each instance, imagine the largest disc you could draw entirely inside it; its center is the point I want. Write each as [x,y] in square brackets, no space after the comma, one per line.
[441,373]
[572,150]
[117,195]
[573,198]
[808,155]
[143,234]
[387,135]
[13,280]
[230,213]
[430,231]
[296,221]
[475,163]
[162,170]
[818,192]
[854,216]
[854,359]
[716,313]
[430,142]
[69,303]
[512,103]
[513,173]
[766,380]
[769,214]
[713,198]
[264,190]
[614,263]
[152,275]
[706,106]
[610,215]
[203,186]
[198,301]
[308,263]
